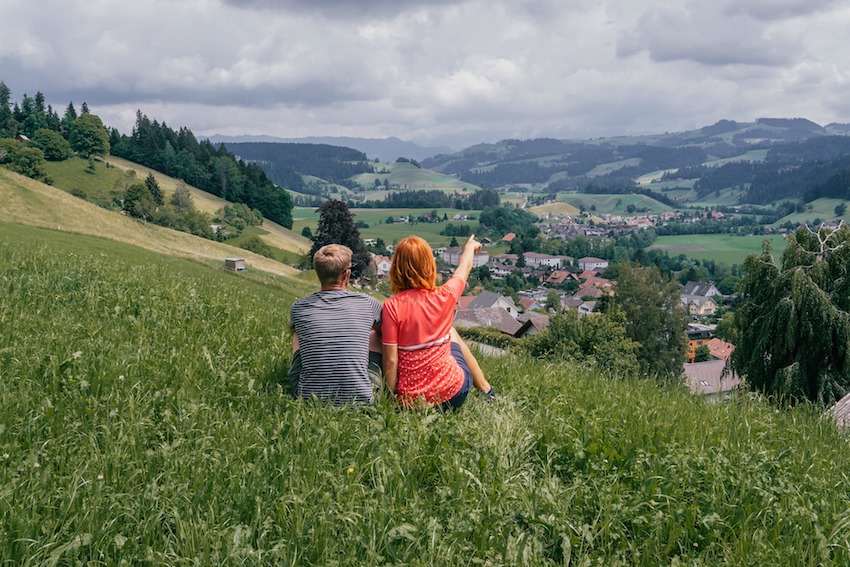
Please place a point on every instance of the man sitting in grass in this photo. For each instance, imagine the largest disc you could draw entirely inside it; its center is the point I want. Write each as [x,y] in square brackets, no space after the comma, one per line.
[335,336]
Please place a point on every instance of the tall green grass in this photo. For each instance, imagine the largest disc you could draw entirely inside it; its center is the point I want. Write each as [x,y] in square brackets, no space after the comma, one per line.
[145,420]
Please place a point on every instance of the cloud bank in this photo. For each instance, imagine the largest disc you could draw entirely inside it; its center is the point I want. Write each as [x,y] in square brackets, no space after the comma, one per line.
[452,72]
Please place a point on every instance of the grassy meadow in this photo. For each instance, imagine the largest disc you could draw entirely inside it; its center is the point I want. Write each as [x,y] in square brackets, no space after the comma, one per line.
[30,202]
[822,209]
[145,420]
[378,228]
[406,174]
[726,248]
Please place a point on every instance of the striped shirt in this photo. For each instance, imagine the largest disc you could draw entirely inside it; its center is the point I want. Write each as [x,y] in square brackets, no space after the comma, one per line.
[333,336]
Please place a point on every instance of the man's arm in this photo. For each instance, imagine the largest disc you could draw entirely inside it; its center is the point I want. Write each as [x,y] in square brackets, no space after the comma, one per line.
[294,373]
[390,366]
[294,339]
[471,247]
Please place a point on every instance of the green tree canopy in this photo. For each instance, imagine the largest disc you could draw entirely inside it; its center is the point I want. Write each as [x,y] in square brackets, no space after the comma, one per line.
[599,339]
[336,226]
[139,202]
[654,318]
[8,125]
[89,136]
[793,323]
[54,146]
[155,189]
[26,160]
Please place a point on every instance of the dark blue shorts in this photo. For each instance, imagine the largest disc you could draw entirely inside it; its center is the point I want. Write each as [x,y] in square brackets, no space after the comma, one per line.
[457,400]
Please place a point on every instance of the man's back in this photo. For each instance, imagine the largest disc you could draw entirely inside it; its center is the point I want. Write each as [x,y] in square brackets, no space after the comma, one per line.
[333,335]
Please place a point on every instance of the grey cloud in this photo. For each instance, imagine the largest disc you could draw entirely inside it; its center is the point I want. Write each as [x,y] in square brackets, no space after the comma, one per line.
[707,39]
[340,8]
[771,10]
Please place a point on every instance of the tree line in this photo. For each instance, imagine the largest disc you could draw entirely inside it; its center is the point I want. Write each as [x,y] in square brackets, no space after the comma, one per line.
[49,136]
[285,163]
[202,164]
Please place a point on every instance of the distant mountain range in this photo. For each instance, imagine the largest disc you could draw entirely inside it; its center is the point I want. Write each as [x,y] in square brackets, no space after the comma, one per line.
[769,159]
[760,162]
[385,149]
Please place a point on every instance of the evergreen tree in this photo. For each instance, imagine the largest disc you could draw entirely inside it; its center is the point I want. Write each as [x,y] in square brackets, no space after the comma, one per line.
[155,189]
[8,125]
[68,119]
[793,323]
[655,318]
[139,202]
[336,226]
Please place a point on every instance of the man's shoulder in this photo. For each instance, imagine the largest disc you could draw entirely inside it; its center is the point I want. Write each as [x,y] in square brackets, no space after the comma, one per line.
[338,296]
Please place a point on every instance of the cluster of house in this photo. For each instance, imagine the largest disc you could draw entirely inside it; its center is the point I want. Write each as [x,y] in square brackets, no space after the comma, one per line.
[571,226]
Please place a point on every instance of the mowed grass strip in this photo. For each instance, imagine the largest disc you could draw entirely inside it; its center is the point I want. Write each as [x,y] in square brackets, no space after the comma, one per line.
[145,420]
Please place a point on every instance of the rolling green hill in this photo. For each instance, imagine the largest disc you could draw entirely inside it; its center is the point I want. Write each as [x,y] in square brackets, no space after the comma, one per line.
[146,421]
[410,177]
[30,202]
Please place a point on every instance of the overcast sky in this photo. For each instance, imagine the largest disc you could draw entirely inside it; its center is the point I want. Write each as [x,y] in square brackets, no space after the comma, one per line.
[453,72]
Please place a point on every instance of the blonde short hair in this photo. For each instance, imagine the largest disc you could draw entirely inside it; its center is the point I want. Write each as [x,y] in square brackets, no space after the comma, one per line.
[330,262]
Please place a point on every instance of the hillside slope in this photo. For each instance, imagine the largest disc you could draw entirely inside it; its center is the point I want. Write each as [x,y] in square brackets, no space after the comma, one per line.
[33,203]
[146,420]
[278,236]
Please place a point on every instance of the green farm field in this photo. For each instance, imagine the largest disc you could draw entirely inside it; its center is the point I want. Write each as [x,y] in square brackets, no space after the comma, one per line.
[725,248]
[611,204]
[413,177]
[378,228]
[145,420]
[822,209]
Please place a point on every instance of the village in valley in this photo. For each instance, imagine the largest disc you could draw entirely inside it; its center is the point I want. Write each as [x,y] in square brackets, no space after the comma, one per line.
[578,284]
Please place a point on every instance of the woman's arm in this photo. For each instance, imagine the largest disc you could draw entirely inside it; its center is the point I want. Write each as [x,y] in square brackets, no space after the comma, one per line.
[471,247]
[390,366]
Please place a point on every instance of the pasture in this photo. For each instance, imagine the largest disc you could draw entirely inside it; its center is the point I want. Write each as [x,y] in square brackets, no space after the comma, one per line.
[393,232]
[406,174]
[726,248]
[613,204]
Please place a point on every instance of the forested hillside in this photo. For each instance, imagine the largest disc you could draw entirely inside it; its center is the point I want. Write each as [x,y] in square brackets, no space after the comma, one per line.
[213,169]
[152,144]
[285,163]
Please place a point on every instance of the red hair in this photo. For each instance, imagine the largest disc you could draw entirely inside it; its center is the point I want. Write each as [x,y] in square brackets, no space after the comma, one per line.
[413,266]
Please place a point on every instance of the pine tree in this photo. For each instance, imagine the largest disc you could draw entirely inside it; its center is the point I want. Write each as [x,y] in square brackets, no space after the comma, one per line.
[336,226]
[8,125]
[68,119]
[793,323]
[155,189]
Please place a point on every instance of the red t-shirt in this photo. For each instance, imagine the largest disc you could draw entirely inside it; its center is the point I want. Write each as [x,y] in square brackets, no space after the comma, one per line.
[419,322]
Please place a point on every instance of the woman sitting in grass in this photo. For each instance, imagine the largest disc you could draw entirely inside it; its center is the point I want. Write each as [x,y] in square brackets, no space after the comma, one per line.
[425,361]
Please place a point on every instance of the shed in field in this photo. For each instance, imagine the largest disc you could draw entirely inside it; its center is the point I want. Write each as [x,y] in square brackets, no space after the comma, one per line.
[235,264]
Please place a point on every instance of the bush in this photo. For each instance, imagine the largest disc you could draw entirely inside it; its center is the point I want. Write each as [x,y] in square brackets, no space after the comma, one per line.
[54,146]
[257,246]
[599,339]
[77,192]
[27,161]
